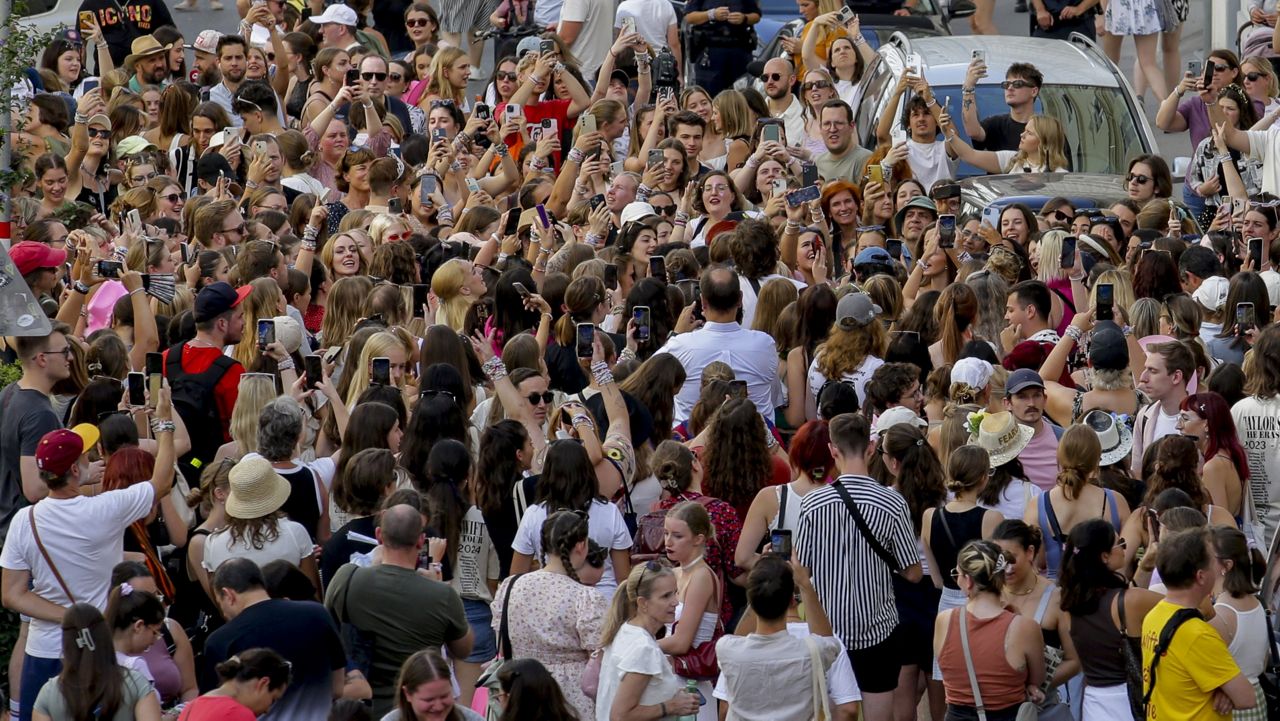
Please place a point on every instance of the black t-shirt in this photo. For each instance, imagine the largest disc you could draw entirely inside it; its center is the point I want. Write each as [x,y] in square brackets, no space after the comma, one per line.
[503,525]
[1003,133]
[101,202]
[340,546]
[122,22]
[25,416]
[722,32]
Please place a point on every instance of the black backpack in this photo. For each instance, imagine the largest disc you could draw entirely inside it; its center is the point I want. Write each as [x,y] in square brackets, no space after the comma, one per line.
[194,401]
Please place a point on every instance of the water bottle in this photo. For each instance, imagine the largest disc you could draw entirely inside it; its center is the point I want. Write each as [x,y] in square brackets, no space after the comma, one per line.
[690,687]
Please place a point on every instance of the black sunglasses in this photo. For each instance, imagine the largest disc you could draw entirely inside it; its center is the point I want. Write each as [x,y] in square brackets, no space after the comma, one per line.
[431,392]
[99,133]
[416,23]
[1017,84]
[441,103]
[1252,77]
[649,567]
[775,77]
[1142,179]
[665,209]
[815,85]
[545,397]
[504,75]
[374,76]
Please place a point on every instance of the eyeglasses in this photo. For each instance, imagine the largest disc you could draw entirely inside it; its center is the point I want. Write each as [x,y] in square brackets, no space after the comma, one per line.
[374,76]
[1252,77]
[506,76]
[395,77]
[1140,179]
[545,396]
[1121,543]
[174,197]
[955,574]
[99,133]
[432,392]
[65,352]
[417,22]
[815,85]
[1016,84]
[775,77]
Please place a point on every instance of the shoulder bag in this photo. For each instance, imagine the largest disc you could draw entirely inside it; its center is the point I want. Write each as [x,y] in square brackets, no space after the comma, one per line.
[1027,711]
[1132,664]
[358,644]
[1269,679]
[700,662]
[489,679]
[865,530]
[818,682]
[47,559]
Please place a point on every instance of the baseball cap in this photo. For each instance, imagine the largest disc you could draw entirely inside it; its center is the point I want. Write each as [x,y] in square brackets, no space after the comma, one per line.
[529,44]
[1022,379]
[206,42]
[621,76]
[217,298]
[337,13]
[1212,293]
[855,309]
[212,166]
[1107,347]
[133,145]
[71,36]
[30,256]
[873,255]
[894,416]
[973,372]
[59,450]
[635,211]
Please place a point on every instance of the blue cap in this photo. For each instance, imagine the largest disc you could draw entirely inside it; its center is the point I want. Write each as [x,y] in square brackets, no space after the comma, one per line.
[873,255]
[1021,379]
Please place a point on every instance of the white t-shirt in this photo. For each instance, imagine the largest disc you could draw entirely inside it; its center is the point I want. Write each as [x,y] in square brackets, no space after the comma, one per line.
[929,162]
[84,536]
[749,296]
[842,686]
[596,36]
[1165,425]
[634,650]
[858,378]
[291,544]
[1258,426]
[605,526]
[477,559]
[652,19]
[1264,146]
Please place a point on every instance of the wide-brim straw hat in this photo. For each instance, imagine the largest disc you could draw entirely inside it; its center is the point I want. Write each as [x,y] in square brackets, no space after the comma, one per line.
[1002,436]
[1114,435]
[256,489]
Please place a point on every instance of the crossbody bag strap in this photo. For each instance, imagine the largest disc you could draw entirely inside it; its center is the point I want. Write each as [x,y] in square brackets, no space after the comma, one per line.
[503,629]
[1175,622]
[942,516]
[818,682]
[1274,661]
[47,559]
[783,491]
[968,663]
[1055,528]
[865,530]
[1124,625]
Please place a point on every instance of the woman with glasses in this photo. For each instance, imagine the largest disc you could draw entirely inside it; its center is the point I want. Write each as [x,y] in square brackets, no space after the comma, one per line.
[169,660]
[1102,614]
[553,613]
[847,54]
[1258,77]
[103,688]
[815,90]
[137,620]
[170,198]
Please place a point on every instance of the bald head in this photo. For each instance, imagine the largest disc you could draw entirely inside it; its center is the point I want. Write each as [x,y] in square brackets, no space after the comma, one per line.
[720,290]
[401,527]
[779,76]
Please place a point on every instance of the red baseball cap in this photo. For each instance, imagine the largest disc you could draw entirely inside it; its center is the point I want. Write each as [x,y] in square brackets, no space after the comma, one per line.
[59,450]
[30,256]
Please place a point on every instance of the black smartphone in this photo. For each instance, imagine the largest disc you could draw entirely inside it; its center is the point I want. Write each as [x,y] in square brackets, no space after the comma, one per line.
[739,388]
[482,111]
[395,206]
[611,276]
[597,200]
[1068,257]
[513,222]
[546,46]
[420,291]
[155,374]
[808,174]
[137,389]
[946,231]
[1207,77]
[771,132]
[1255,252]
[381,371]
[1153,521]
[315,370]
[780,543]
[894,248]
[1106,302]
[803,195]
[439,134]
[1245,319]
[586,339]
[353,76]
[658,267]
[426,186]
[656,157]
[266,333]
[523,291]
[642,318]
[110,268]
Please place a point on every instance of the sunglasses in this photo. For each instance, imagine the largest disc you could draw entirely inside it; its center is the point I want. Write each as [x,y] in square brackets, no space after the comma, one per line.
[1252,77]
[1016,84]
[649,567]
[665,209]
[417,23]
[432,392]
[1058,214]
[239,229]
[1219,68]
[775,77]
[174,197]
[506,76]
[815,85]
[441,103]
[1140,179]
[396,77]
[546,397]
[374,76]
[99,133]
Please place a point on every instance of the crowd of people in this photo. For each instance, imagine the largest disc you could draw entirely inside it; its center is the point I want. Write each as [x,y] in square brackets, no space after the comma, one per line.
[594,396]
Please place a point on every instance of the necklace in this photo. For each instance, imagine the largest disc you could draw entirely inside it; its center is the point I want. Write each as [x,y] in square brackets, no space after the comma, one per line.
[1029,591]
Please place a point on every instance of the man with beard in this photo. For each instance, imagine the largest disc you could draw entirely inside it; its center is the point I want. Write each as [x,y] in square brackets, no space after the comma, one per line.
[150,62]
[919,213]
[205,73]
[843,159]
[232,63]
[1025,399]
[779,77]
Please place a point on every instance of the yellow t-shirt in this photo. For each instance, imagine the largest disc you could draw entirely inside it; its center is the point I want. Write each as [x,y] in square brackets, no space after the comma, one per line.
[1196,664]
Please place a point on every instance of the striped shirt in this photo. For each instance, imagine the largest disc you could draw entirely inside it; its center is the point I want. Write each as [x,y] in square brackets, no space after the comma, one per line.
[853,583]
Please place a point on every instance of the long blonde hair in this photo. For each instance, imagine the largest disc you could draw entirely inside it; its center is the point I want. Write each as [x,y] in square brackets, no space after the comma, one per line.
[1053,142]
[380,344]
[262,302]
[735,114]
[256,391]
[447,283]
[343,308]
[624,606]
[438,77]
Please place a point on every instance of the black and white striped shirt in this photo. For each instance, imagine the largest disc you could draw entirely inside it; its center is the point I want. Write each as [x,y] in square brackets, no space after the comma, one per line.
[853,583]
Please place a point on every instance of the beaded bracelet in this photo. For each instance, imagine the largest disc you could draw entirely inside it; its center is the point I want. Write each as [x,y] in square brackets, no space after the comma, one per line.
[600,371]
[285,364]
[310,233]
[161,426]
[575,156]
[582,419]
[494,369]
[308,245]
[1073,333]
[643,192]
[681,216]
[626,355]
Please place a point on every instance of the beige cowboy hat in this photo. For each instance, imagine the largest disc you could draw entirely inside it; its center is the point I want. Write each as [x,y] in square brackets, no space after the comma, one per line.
[256,489]
[144,46]
[1002,436]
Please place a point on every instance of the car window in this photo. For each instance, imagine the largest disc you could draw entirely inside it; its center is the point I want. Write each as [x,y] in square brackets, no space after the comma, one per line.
[34,7]
[877,88]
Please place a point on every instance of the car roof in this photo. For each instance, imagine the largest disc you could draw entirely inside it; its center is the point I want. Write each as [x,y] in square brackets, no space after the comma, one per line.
[1061,62]
[1033,189]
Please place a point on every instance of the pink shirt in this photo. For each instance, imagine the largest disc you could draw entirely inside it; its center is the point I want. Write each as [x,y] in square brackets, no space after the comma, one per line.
[1040,458]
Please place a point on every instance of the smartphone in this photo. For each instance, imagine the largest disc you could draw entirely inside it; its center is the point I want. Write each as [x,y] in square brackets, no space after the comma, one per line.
[586,339]
[779,186]
[523,291]
[597,200]
[137,389]
[85,21]
[438,135]
[482,111]
[1255,252]
[656,158]
[1245,319]
[420,291]
[542,215]
[808,173]
[314,369]
[473,185]
[426,187]
[658,267]
[771,132]
[980,56]
[513,110]
[1207,77]
[946,231]
[109,268]
[513,222]
[739,388]
[353,76]
[1106,302]
[266,333]
[894,248]
[628,25]
[666,94]
[381,371]
[549,127]
[611,276]
[89,84]
[395,207]
[915,61]
[1153,521]
[803,195]
[135,220]
[155,374]
[780,543]
[643,319]
[547,46]
[1195,68]
[845,14]
[588,123]
[1068,257]
[876,172]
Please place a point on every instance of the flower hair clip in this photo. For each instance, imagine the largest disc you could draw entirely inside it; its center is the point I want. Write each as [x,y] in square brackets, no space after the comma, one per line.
[974,421]
[125,589]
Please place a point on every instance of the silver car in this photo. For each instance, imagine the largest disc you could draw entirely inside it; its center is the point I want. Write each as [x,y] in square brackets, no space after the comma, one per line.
[1083,89]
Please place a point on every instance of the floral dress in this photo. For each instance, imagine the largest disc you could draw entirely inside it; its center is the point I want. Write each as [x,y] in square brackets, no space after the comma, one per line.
[556,620]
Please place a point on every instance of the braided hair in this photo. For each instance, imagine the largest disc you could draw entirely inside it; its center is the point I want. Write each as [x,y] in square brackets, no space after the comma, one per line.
[560,533]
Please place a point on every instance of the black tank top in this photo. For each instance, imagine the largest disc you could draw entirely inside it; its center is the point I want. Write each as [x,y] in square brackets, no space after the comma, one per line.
[302,505]
[948,534]
[1097,642]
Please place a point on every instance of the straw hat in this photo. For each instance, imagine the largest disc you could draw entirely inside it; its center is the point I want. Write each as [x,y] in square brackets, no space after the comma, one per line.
[256,489]
[1000,434]
[1115,437]
[144,46]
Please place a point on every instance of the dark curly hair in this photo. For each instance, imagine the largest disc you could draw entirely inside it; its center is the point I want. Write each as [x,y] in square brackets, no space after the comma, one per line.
[736,457]
[755,249]
[1175,466]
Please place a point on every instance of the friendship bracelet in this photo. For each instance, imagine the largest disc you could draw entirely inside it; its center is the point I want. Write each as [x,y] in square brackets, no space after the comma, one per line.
[494,369]
[285,364]
[582,419]
[162,426]
[1073,333]
[600,370]
[575,156]
[310,233]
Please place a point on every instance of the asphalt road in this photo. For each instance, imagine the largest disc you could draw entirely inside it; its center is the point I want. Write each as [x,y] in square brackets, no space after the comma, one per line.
[1192,47]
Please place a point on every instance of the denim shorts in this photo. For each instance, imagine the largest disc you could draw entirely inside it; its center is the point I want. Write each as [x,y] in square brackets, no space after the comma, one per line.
[480,617]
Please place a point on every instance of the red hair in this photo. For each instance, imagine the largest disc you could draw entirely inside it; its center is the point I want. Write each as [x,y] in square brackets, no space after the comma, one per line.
[1220,429]
[128,466]
[810,451]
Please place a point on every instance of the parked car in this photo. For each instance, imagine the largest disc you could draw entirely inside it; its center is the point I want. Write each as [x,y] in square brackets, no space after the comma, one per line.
[989,194]
[47,15]
[1083,89]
